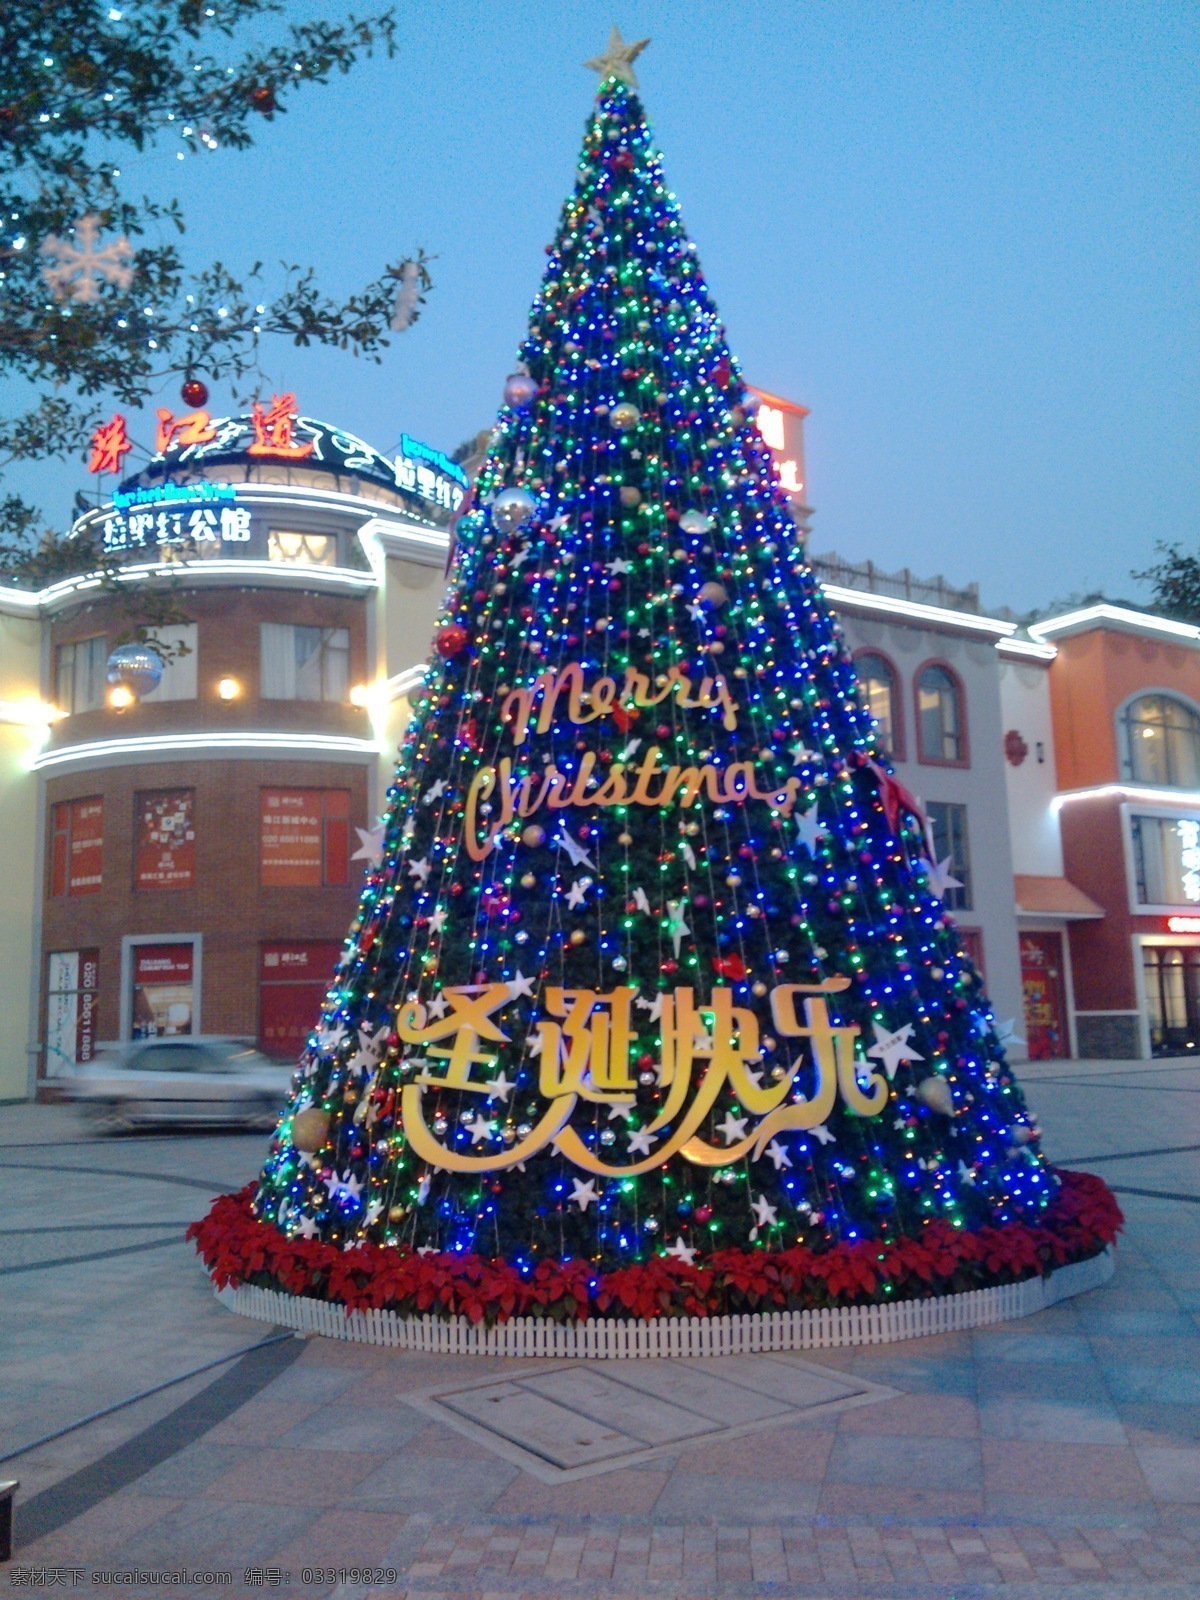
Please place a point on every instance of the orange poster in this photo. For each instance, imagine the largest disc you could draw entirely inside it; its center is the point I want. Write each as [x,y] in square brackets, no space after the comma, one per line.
[292,828]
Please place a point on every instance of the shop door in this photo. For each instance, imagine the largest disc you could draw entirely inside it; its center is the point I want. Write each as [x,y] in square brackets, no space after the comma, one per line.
[1172,998]
[164,1001]
[1045,1000]
[293,978]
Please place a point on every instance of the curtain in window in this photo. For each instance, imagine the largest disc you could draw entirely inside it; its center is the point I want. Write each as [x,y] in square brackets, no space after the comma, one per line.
[336,675]
[179,672]
[277,647]
[308,663]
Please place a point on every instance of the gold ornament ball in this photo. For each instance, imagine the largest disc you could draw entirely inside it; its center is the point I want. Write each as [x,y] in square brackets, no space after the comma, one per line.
[624,416]
[631,495]
[625,838]
[397,1213]
[714,594]
[934,1092]
[577,936]
[760,989]
[528,880]
[533,836]
[310,1128]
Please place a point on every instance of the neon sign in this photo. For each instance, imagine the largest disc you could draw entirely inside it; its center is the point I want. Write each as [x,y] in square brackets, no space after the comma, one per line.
[176,514]
[1183,924]
[274,430]
[193,428]
[110,443]
[781,426]
[278,432]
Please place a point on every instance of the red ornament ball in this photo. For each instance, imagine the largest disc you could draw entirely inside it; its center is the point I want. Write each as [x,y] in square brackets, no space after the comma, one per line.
[451,640]
[194,392]
[703,1214]
[263,99]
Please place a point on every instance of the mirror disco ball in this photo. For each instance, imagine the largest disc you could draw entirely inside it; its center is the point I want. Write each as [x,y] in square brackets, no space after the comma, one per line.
[137,666]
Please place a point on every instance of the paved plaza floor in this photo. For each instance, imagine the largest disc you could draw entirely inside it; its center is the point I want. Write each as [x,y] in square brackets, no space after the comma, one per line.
[1059,1455]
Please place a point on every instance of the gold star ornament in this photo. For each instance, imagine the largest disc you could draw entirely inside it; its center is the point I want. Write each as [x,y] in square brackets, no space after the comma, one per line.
[617,60]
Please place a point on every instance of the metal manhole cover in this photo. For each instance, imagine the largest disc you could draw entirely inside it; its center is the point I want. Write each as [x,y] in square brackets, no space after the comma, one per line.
[570,1421]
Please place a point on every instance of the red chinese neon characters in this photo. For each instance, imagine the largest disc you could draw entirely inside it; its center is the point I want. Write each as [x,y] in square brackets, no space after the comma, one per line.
[109,443]
[273,429]
[194,427]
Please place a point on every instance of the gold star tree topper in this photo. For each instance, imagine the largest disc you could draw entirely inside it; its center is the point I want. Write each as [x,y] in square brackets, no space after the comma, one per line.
[617,60]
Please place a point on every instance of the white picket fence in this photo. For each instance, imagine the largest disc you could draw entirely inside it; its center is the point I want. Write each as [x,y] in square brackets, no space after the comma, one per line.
[675,1336]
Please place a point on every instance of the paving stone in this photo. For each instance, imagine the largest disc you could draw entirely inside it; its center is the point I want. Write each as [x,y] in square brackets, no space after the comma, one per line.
[1056,1456]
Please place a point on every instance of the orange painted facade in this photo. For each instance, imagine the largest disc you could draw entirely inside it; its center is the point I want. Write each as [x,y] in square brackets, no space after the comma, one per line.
[1094,675]
[1098,670]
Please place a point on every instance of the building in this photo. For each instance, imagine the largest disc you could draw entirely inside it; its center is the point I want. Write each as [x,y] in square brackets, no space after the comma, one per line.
[188,860]
[1123,697]
[931,666]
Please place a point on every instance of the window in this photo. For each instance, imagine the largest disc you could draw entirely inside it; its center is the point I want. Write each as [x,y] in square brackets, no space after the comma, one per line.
[179,671]
[1166,860]
[878,683]
[948,829]
[1162,741]
[171,1058]
[77,846]
[301,663]
[164,851]
[941,727]
[305,838]
[304,549]
[1172,998]
[79,674]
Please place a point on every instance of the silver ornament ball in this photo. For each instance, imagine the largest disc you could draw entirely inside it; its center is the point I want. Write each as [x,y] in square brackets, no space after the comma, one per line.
[512,509]
[138,667]
[519,390]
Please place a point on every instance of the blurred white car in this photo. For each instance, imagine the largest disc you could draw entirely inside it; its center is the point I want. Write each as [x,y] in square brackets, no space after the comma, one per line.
[180,1081]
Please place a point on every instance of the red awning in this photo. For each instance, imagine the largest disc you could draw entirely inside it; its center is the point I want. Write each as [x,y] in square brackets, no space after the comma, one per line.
[1052,897]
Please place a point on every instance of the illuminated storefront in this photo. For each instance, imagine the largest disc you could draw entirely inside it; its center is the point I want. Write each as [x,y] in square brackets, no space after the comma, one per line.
[199,843]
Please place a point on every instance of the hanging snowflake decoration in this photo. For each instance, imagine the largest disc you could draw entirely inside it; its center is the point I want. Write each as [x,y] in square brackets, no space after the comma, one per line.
[408,295]
[77,269]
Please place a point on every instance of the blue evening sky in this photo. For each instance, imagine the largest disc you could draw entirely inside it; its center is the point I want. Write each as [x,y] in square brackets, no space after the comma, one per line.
[964,234]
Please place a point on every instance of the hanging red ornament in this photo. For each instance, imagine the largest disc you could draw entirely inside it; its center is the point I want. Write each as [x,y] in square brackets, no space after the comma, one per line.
[263,99]
[729,966]
[194,392]
[451,640]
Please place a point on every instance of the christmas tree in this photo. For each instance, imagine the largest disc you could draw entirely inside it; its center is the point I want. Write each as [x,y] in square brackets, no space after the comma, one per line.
[652,962]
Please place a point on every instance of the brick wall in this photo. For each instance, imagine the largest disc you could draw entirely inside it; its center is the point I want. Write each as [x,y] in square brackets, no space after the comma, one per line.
[228,905]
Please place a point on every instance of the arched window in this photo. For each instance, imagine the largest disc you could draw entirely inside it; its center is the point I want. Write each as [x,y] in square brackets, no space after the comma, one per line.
[877,679]
[1162,741]
[941,721]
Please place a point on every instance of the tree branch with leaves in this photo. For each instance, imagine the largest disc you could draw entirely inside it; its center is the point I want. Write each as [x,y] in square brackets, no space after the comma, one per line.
[96,301]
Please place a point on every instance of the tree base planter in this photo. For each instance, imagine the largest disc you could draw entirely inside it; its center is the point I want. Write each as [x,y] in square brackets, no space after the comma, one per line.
[603,1338]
